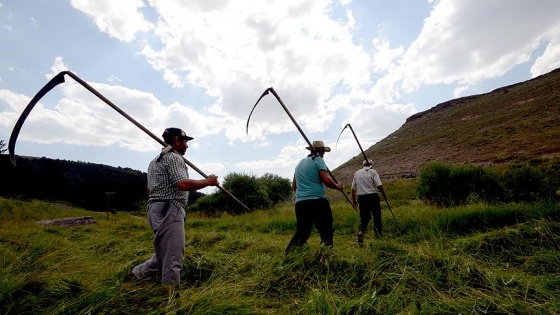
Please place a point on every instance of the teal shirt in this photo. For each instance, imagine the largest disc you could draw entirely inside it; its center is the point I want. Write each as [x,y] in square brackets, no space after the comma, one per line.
[309,185]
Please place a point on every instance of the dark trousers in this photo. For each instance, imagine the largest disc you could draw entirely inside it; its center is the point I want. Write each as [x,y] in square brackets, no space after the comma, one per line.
[370,205]
[312,212]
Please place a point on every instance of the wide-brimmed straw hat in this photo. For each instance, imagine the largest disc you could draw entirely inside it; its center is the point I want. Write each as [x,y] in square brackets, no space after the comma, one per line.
[319,146]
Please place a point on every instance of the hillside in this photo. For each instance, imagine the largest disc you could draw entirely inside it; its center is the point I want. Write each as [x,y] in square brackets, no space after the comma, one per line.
[88,185]
[513,123]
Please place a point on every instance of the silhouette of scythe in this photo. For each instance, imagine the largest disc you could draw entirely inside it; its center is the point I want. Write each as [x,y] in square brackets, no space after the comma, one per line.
[365,158]
[271,90]
[58,79]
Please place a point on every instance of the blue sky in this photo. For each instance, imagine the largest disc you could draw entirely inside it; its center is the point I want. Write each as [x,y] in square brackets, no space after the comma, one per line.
[201,66]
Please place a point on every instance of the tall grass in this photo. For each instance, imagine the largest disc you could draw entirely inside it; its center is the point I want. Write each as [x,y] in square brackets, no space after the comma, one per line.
[474,259]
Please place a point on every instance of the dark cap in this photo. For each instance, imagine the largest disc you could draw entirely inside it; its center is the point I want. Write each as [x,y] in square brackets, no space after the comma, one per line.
[171,133]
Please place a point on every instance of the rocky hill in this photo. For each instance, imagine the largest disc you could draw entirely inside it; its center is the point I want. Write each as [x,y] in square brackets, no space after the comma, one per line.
[514,123]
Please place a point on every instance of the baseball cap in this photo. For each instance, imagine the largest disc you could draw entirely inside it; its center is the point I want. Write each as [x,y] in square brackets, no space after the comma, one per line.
[173,132]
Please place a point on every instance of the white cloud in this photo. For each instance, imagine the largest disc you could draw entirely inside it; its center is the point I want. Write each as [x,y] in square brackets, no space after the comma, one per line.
[120,19]
[549,60]
[15,104]
[286,159]
[314,58]
[234,51]
[468,41]
[294,47]
[56,68]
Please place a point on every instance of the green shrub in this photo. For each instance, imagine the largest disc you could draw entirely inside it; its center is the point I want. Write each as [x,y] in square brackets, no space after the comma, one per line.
[247,189]
[434,183]
[211,205]
[279,189]
[255,193]
[453,185]
[529,183]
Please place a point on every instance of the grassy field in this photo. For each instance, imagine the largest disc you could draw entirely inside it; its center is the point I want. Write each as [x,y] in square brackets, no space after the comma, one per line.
[476,259]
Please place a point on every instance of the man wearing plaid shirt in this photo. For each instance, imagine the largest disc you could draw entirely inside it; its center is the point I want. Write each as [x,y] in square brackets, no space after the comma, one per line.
[168,188]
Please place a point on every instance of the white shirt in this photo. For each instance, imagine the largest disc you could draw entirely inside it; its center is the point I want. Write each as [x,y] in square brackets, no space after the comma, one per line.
[365,181]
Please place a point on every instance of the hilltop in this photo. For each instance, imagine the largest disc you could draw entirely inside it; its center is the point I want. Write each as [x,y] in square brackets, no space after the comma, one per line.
[514,123]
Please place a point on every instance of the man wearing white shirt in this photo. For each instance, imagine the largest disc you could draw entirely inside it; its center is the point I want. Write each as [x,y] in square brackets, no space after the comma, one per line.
[365,185]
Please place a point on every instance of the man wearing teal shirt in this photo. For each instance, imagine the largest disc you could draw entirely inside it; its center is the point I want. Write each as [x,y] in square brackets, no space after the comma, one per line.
[312,206]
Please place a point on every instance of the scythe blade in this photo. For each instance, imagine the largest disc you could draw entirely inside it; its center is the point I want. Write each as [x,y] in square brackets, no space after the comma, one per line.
[251,113]
[58,79]
[340,134]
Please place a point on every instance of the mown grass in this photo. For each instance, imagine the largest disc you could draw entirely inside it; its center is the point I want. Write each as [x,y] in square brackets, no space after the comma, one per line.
[475,259]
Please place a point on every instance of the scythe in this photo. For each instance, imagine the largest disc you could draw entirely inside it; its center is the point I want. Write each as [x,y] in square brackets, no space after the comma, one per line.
[365,158]
[271,90]
[58,79]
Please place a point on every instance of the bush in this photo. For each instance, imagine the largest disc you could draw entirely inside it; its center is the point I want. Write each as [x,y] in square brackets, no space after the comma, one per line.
[255,193]
[279,189]
[433,183]
[212,205]
[248,190]
[529,183]
[447,185]
[453,185]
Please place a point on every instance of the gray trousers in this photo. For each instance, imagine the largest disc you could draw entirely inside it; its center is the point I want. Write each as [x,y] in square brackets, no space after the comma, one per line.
[168,223]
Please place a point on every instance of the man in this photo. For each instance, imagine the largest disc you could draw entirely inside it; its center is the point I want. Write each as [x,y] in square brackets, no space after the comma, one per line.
[364,185]
[168,189]
[312,206]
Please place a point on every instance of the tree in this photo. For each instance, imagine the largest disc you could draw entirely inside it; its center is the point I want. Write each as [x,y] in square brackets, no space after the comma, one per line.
[279,189]
[255,193]
[2,145]
[248,189]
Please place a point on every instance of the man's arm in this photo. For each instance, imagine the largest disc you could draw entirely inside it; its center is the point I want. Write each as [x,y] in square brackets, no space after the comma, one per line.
[328,181]
[196,184]
[294,184]
[354,197]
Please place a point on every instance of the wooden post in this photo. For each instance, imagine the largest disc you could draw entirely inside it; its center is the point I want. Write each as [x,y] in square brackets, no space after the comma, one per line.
[108,193]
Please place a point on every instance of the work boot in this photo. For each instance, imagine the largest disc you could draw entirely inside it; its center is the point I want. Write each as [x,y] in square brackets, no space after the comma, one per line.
[132,278]
[172,292]
[361,238]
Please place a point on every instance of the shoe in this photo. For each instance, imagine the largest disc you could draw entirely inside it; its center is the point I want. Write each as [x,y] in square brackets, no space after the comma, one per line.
[361,238]
[132,278]
[173,292]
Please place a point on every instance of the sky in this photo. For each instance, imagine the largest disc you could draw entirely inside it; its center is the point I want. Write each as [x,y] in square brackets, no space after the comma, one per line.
[201,66]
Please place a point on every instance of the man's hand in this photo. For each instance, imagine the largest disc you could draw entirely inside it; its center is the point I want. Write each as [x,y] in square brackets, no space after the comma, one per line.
[212,180]
[339,186]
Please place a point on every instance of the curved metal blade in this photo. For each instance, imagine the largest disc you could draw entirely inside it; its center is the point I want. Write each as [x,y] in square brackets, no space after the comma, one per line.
[336,146]
[58,79]
[292,119]
[251,113]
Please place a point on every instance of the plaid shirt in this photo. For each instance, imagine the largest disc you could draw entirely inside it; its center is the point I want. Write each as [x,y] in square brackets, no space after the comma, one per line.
[162,177]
